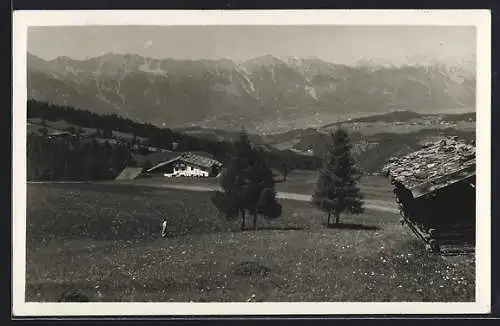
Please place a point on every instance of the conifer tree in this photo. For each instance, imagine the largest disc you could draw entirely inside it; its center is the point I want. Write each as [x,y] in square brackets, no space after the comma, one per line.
[260,193]
[247,185]
[337,186]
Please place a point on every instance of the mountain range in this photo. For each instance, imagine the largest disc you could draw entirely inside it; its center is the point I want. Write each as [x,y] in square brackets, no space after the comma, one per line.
[263,95]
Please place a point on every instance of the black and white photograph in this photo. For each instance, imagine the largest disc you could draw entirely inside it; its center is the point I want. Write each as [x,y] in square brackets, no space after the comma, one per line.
[251,162]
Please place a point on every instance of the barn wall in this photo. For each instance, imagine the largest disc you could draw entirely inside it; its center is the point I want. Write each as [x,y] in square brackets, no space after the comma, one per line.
[447,215]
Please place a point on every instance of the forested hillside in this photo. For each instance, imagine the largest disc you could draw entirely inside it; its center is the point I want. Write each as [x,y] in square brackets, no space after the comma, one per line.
[370,151]
[74,159]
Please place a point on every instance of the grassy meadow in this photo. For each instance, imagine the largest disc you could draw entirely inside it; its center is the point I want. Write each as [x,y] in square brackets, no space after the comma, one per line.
[298,181]
[103,240]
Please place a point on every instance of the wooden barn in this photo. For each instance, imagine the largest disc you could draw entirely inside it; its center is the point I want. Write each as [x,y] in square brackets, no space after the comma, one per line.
[188,164]
[435,189]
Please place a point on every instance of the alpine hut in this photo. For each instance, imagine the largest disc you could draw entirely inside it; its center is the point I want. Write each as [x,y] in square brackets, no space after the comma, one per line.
[435,189]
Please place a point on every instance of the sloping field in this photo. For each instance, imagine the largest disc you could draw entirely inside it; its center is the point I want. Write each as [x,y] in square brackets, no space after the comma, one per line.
[129,173]
[104,241]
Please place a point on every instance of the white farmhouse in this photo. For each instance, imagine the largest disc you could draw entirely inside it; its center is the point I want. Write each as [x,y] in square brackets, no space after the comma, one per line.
[188,165]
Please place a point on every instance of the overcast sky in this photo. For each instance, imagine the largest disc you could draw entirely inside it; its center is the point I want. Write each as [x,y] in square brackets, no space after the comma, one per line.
[338,44]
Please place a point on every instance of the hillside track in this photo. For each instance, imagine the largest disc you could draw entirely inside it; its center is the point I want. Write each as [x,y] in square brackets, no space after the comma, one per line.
[371,204]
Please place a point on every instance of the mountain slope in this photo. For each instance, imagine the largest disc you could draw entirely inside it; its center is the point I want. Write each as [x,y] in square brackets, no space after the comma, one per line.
[264,94]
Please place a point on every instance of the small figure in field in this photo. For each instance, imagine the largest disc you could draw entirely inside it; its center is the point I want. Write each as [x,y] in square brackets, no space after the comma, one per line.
[164,228]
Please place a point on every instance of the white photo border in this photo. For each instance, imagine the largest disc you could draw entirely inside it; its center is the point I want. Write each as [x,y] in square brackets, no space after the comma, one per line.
[479,18]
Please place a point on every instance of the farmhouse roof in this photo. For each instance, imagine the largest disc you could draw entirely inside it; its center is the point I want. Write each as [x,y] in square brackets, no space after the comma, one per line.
[190,158]
[197,159]
[435,166]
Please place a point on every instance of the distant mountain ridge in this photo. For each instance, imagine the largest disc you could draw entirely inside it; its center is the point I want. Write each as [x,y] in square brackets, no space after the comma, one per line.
[264,94]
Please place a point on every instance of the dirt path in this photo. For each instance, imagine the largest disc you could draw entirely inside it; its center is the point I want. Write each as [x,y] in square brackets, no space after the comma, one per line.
[369,204]
[378,205]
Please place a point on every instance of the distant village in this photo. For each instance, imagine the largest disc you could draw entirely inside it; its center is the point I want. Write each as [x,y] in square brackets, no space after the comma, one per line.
[431,121]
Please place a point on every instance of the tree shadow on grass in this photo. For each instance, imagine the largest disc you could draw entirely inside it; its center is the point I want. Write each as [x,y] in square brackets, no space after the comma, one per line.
[352,226]
[190,232]
[73,296]
[275,228]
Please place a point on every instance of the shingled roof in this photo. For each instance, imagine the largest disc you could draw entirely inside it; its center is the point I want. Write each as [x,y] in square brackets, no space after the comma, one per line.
[190,158]
[433,167]
[199,160]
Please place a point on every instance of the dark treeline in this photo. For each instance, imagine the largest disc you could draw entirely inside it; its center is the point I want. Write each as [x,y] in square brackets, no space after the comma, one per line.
[82,118]
[74,159]
[156,137]
[159,137]
[292,160]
